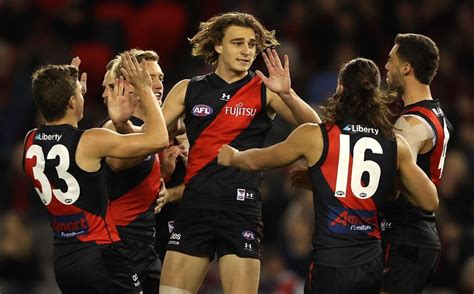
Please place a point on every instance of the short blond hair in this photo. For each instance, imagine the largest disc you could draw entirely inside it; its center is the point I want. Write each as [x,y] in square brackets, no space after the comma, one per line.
[116,64]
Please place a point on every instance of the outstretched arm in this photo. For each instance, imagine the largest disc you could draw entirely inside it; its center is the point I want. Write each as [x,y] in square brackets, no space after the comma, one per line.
[305,141]
[281,98]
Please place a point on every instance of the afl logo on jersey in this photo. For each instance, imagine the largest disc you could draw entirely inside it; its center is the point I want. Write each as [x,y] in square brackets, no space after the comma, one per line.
[248,235]
[201,110]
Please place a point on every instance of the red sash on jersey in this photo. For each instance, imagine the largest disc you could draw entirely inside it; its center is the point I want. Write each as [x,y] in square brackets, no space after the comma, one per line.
[434,172]
[129,206]
[222,130]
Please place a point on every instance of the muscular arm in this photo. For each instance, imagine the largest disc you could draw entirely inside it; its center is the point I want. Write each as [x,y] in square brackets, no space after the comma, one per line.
[292,108]
[418,135]
[418,188]
[173,107]
[278,155]
[118,164]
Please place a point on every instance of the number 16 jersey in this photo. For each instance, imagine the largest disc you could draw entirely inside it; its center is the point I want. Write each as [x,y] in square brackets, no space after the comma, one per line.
[351,180]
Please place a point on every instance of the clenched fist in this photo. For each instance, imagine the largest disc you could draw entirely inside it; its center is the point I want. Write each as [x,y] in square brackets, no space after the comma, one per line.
[226,153]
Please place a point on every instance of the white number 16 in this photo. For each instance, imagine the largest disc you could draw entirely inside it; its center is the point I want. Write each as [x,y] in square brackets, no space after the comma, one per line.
[359,166]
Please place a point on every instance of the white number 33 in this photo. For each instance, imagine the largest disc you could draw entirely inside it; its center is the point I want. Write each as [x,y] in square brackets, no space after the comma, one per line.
[73,190]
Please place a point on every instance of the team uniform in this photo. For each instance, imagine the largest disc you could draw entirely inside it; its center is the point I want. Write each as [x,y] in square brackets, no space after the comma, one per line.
[133,193]
[88,254]
[164,221]
[410,238]
[350,182]
[221,206]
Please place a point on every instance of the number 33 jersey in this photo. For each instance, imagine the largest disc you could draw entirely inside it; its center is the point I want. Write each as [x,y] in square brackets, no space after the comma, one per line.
[75,199]
[354,175]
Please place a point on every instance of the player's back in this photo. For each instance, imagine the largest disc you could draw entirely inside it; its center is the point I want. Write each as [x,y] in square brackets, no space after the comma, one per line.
[88,254]
[405,223]
[354,175]
[75,199]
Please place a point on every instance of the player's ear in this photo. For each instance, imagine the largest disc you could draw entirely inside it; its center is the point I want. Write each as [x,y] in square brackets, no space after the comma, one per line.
[406,69]
[71,102]
[218,48]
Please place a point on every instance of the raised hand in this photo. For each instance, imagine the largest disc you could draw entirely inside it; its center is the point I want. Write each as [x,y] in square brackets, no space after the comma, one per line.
[120,103]
[135,73]
[76,61]
[278,80]
[226,153]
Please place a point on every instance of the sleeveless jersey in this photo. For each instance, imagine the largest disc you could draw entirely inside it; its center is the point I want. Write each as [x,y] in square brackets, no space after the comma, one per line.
[405,223]
[75,199]
[218,113]
[132,193]
[350,182]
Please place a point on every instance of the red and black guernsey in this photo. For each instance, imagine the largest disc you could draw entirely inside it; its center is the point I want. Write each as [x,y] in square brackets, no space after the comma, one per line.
[132,193]
[404,223]
[75,199]
[218,113]
[350,182]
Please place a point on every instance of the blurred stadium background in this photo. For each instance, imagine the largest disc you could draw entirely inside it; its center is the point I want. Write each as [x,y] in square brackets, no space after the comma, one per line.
[318,35]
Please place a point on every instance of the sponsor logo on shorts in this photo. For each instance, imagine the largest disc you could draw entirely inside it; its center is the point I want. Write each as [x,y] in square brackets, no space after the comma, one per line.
[248,235]
[171,226]
[248,247]
[352,221]
[385,225]
[243,194]
[136,282]
[70,226]
[202,110]
[174,239]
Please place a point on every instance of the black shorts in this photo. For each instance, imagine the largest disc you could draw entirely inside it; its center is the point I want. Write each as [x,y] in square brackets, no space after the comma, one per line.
[408,269]
[145,261]
[96,269]
[205,233]
[164,223]
[362,279]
